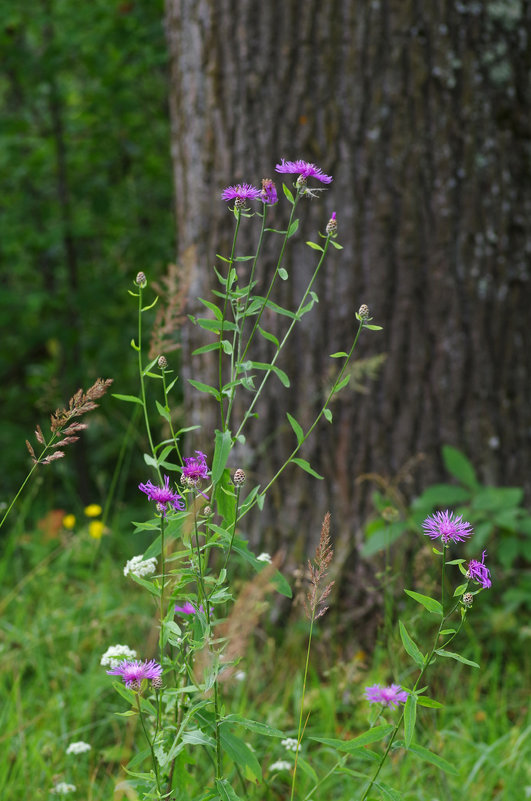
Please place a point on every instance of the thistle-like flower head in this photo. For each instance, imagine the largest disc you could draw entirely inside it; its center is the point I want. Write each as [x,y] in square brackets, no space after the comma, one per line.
[163,495]
[447,526]
[132,673]
[390,696]
[478,571]
[303,169]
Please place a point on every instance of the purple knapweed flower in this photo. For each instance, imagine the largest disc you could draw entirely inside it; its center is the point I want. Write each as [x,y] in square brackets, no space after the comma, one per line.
[195,468]
[240,193]
[447,527]
[132,673]
[387,696]
[163,495]
[477,571]
[189,609]
[304,170]
[269,192]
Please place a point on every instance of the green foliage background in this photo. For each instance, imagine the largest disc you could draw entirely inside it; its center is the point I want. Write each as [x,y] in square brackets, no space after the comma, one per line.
[86,203]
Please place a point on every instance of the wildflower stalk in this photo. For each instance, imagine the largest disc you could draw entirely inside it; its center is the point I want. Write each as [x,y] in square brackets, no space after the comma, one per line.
[169,420]
[225,304]
[138,348]
[420,677]
[13,502]
[238,489]
[284,340]
[300,730]
[324,407]
[153,757]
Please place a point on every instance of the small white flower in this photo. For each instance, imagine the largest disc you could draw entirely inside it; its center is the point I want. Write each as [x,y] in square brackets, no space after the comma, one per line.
[264,557]
[290,744]
[116,654]
[138,566]
[282,764]
[240,675]
[78,748]
[62,788]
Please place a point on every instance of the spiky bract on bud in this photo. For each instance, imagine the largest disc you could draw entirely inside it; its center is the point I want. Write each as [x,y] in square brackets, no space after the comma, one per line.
[363,311]
[239,477]
[467,599]
[331,226]
[162,362]
[141,279]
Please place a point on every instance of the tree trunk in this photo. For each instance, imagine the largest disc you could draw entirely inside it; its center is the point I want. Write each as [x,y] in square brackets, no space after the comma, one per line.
[420,112]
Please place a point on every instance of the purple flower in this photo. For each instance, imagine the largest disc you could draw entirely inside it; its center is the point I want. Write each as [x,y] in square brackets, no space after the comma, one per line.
[269,192]
[387,696]
[447,527]
[478,572]
[304,169]
[195,468]
[240,193]
[189,609]
[162,495]
[132,673]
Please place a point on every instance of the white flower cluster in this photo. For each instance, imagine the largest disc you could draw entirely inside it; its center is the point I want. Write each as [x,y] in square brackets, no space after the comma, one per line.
[138,566]
[116,654]
[282,764]
[290,744]
[264,557]
[62,788]
[78,748]
[240,675]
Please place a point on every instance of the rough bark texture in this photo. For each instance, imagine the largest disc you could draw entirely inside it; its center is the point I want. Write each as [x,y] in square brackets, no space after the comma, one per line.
[420,112]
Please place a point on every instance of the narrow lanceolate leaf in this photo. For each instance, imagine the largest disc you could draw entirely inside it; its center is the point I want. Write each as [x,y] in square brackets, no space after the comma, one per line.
[226,791]
[277,371]
[457,657]
[204,388]
[296,427]
[267,335]
[423,700]
[410,646]
[428,603]
[221,454]
[288,194]
[306,466]
[371,736]
[213,308]
[206,348]
[429,756]
[128,398]
[338,355]
[410,716]
[293,227]
[343,383]
[314,246]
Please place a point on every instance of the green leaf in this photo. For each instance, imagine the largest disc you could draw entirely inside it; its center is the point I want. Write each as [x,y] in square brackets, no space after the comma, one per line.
[343,383]
[371,736]
[306,466]
[128,398]
[267,335]
[165,413]
[293,228]
[457,657]
[388,792]
[423,700]
[339,355]
[283,274]
[296,427]
[222,449]
[373,327]
[410,646]
[213,308]
[459,466]
[328,414]
[444,495]
[240,753]
[253,725]
[206,348]
[382,536]
[205,388]
[428,603]
[225,791]
[336,244]
[272,367]
[307,769]
[227,346]
[288,194]
[460,590]
[410,716]
[429,756]
[314,246]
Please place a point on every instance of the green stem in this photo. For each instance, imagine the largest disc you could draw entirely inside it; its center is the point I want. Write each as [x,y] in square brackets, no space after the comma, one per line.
[225,303]
[153,757]
[300,729]
[170,423]
[238,489]
[142,382]
[20,490]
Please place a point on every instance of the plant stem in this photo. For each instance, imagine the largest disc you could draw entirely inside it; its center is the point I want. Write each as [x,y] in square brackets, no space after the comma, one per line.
[153,757]
[225,303]
[142,383]
[300,730]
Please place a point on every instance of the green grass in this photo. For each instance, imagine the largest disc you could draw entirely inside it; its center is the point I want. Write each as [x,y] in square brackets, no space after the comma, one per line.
[64,602]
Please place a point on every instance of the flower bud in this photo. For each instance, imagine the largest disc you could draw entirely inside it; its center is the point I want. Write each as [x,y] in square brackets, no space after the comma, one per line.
[207,511]
[269,192]
[140,279]
[162,362]
[239,477]
[331,226]
[363,311]
[468,599]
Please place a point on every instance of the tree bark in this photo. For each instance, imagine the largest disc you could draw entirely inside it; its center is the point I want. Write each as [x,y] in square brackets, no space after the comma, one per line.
[420,112]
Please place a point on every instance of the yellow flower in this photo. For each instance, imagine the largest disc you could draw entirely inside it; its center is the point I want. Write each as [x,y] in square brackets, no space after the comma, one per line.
[69,521]
[93,510]
[96,529]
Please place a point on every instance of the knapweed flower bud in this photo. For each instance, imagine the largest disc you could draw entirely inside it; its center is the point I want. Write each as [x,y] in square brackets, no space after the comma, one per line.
[301,183]
[140,279]
[269,192]
[331,227]
[239,477]
[468,599]
[207,511]
[162,362]
[363,311]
